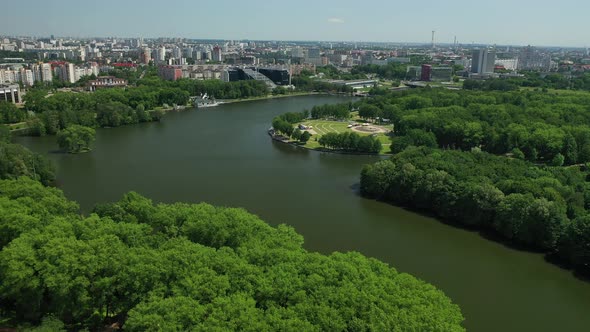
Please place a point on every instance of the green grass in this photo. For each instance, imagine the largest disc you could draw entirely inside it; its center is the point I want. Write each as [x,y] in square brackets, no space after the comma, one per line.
[322,127]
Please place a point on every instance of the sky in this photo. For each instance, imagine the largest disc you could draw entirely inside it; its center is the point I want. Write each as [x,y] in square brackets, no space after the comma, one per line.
[501,22]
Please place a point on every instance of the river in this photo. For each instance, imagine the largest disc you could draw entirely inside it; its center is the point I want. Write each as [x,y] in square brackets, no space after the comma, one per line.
[223,156]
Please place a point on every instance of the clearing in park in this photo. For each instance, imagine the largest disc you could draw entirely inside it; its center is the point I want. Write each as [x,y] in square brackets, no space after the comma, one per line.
[317,128]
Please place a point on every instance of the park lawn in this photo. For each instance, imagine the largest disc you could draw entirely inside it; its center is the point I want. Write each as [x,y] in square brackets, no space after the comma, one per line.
[322,127]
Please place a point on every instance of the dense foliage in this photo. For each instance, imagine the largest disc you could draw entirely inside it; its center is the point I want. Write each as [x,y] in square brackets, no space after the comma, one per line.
[331,111]
[76,138]
[305,83]
[9,113]
[391,71]
[117,107]
[351,142]
[179,267]
[551,128]
[104,108]
[539,207]
[17,161]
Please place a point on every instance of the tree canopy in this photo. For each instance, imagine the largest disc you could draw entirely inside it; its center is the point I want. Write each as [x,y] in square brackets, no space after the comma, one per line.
[178,267]
[76,138]
[544,208]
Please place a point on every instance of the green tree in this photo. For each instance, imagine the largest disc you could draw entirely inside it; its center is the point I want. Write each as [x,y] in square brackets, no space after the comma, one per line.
[305,136]
[76,139]
[5,135]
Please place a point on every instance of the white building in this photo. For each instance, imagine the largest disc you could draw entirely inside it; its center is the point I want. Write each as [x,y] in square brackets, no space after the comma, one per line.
[509,64]
[161,54]
[177,52]
[26,77]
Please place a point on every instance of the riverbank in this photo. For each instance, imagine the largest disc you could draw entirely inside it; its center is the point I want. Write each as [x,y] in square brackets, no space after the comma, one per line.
[285,140]
[295,94]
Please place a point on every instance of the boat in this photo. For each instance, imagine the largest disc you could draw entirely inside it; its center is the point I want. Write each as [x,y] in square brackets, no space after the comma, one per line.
[205,101]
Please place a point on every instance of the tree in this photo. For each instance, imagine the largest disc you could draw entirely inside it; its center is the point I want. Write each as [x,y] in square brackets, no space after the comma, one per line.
[305,136]
[76,138]
[9,113]
[5,134]
[296,135]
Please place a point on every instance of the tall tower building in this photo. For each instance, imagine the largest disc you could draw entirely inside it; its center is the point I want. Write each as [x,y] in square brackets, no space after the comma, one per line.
[161,54]
[482,61]
[146,55]
[177,52]
[216,55]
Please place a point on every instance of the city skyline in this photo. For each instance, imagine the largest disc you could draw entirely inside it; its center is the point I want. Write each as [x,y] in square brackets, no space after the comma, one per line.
[501,22]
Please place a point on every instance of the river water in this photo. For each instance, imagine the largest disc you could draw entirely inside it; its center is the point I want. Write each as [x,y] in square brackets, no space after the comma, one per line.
[223,156]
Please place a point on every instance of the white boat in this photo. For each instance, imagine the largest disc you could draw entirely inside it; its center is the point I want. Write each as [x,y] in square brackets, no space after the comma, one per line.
[204,101]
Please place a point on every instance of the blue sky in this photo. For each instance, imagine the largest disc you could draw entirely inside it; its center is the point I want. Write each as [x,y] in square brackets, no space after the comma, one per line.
[515,22]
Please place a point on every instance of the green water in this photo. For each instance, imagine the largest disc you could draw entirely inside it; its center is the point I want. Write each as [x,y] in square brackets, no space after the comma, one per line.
[223,156]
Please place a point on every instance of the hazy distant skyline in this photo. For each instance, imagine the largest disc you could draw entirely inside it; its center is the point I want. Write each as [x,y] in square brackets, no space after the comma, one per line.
[501,22]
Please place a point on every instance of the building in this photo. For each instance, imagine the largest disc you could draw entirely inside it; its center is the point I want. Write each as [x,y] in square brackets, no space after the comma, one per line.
[161,55]
[177,52]
[531,59]
[483,61]
[217,54]
[314,57]
[10,93]
[426,72]
[103,82]
[280,76]
[70,73]
[413,73]
[441,74]
[508,64]
[170,73]
[26,77]
[145,56]
[231,75]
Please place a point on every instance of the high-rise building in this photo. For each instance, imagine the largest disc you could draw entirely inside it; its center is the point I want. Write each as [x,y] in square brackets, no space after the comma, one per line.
[177,52]
[46,72]
[26,77]
[146,55]
[37,73]
[426,72]
[483,61]
[314,56]
[531,59]
[161,54]
[216,55]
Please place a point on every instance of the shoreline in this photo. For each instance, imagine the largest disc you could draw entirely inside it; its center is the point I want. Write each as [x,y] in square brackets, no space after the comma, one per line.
[276,139]
[297,94]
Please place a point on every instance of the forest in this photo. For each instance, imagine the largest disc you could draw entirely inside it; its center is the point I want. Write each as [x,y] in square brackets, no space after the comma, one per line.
[537,207]
[542,127]
[117,107]
[509,163]
[144,266]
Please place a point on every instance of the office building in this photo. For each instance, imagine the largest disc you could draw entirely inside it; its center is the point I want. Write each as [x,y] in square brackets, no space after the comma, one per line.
[425,74]
[441,74]
[10,93]
[280,76]
[483,61]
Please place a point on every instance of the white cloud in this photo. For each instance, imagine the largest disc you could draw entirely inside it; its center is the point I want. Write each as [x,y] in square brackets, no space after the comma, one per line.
[335,20]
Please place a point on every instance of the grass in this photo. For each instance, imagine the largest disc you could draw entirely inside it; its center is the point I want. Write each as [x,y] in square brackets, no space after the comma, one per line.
[322,127]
